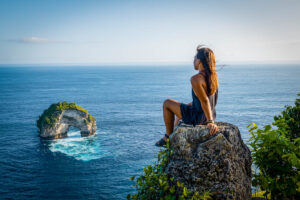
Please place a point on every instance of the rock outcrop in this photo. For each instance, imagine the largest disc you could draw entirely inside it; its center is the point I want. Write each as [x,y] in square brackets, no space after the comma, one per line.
[220,163]
[56,120]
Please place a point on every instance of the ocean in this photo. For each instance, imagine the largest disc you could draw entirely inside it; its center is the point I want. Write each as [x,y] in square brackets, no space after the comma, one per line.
[127,104]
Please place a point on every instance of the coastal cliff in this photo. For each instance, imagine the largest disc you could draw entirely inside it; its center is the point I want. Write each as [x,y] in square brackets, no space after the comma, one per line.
[55,121]
[220,163]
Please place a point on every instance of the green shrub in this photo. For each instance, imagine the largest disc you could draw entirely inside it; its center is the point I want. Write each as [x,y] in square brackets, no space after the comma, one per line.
[276,152]
[261,194]
[91,118]
[155,184]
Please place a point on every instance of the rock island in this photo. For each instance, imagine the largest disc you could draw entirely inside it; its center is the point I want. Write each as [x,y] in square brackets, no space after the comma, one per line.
[55,121]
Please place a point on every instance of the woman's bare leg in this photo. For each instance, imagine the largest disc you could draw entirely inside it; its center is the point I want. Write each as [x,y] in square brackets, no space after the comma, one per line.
[176,121]
[170,109]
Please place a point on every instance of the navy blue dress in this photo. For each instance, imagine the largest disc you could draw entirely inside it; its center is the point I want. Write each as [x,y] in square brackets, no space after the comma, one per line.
[194,114]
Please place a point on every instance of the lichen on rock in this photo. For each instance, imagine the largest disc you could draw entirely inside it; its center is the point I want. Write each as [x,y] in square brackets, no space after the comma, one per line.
[220,163]
[55,121]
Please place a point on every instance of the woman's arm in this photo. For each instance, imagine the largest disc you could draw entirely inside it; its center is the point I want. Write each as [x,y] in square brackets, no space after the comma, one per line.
[198,87]
[197,84]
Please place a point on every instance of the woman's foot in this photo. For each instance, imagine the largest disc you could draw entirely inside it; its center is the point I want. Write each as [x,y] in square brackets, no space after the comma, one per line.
[162,142]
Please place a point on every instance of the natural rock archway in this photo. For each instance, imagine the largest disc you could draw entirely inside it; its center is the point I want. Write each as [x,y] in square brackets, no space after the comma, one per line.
[220,164]
[56,120]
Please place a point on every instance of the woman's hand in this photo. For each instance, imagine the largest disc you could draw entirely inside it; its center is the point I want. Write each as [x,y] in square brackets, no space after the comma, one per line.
[213,128]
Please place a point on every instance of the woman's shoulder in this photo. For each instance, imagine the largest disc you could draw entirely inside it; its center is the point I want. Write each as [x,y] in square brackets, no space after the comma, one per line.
[198,81]
[198,78]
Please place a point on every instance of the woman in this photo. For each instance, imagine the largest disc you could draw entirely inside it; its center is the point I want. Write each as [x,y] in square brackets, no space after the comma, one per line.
[204,92]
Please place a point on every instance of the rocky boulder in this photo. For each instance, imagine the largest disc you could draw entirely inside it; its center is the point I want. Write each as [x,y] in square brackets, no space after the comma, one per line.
[220,163]
[55,121]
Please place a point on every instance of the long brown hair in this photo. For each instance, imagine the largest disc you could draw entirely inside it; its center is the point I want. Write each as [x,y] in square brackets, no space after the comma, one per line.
[207,58]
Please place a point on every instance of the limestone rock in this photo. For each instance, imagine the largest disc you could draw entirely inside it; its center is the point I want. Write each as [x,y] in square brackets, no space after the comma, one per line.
[55,121]
[220,163]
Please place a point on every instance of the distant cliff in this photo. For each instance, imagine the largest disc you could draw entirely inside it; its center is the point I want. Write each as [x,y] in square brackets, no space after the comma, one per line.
[55,121]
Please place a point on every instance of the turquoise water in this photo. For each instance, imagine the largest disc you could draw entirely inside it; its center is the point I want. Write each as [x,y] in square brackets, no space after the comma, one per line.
[127,103]
[80,148]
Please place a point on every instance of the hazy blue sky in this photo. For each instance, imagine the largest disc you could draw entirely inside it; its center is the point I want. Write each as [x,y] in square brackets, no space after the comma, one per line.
[41,31]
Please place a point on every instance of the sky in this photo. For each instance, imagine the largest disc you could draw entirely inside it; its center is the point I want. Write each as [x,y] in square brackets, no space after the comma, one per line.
[156,31]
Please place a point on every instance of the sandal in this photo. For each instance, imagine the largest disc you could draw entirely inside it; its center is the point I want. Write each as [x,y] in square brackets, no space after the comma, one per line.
[161,142]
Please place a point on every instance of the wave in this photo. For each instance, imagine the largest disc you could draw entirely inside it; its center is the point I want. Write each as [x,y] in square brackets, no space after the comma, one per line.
[80,148]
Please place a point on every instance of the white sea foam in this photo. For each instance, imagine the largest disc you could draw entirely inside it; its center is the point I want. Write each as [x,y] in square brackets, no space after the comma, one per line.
[80,148]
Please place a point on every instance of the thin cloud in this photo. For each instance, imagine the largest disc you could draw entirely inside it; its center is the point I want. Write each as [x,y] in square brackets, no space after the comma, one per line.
[35,40]
[38,40]
[31,40]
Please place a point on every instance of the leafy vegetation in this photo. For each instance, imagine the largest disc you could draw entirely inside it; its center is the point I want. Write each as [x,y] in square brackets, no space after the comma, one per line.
[155,184]
[261,194]
[50,115]
[276,152]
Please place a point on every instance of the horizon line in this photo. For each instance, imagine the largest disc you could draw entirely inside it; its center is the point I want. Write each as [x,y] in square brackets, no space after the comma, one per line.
[294,62]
